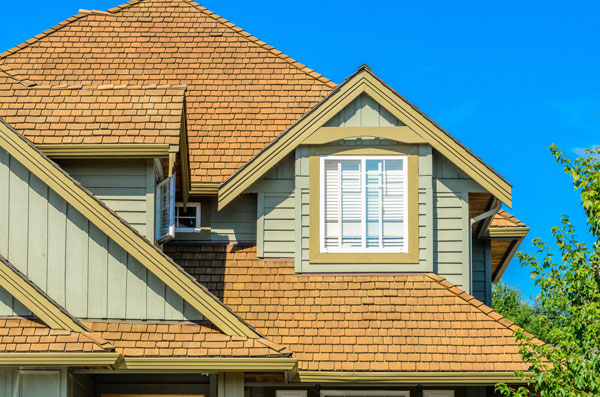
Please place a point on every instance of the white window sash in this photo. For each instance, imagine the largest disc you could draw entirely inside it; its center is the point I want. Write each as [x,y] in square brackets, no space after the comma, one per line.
[162,236]
[322,206]
[189,229]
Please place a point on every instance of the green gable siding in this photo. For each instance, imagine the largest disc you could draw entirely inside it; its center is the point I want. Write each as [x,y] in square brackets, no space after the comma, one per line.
[125,186]
[482,278]
[70,259]
[363,112]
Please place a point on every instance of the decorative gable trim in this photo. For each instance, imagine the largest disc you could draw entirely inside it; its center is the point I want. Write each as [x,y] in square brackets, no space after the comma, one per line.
[40,304]
[364,81]
[123,234]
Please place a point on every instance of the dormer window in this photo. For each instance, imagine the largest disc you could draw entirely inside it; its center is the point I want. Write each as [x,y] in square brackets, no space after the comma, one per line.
[364,204]
[187,217]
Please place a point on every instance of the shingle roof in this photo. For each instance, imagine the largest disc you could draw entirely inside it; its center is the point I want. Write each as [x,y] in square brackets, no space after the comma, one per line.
[504,219]
[102,115]
[19,334]
[241,93]
[180,339]
[349,322]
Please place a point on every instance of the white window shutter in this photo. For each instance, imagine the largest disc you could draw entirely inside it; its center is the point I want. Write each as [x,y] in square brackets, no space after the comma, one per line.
[165,210]
[332,204]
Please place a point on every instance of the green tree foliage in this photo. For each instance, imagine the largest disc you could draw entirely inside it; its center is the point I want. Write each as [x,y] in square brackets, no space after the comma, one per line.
[569,284]
[533,318]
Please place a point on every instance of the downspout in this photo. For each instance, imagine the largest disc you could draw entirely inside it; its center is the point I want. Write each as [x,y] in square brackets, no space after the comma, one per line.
[486,215]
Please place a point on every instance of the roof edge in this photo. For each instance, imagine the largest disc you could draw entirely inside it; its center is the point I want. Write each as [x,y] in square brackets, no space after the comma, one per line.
[412,378]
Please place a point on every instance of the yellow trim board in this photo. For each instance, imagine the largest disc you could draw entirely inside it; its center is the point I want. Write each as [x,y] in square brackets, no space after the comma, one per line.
[408,377]
[507,232]
[213,364]
[22,289]
[110,359]
[123,234]
[204,189]
[104,150]
[364,82]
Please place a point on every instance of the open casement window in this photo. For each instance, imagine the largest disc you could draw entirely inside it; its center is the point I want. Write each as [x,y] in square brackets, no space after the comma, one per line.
[165,210]
[364,204]
[187,218]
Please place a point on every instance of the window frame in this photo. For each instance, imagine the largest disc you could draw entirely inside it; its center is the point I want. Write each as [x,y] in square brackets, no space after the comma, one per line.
[363,249]
[198,227]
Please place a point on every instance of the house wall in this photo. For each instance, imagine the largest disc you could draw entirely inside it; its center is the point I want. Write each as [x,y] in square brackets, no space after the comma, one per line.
[125,186]
[33,383]
[482,271]
[363,112]
[425,207]
[72,260]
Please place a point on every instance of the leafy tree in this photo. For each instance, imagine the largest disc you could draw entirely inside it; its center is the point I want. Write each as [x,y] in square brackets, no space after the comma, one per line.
[570,287]
[535,319]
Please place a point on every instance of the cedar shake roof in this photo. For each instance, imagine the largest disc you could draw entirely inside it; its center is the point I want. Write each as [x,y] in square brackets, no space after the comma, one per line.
[24,335]
[107,114]
[241,93]
[504,219]
[378,322]
[180,339]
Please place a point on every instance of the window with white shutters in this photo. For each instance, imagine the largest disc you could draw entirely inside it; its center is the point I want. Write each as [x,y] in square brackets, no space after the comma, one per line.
[364,204]
[165,210]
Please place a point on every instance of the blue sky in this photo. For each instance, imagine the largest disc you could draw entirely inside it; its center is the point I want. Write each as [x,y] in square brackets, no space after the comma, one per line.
[506,78]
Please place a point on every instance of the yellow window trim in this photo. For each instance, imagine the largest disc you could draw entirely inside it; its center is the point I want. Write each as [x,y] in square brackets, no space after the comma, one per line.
[408,377]
[364,81]
[123,234]
[315,254]
[22,289]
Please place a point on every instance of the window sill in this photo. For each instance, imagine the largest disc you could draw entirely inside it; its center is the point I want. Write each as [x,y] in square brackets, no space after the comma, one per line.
[347,258]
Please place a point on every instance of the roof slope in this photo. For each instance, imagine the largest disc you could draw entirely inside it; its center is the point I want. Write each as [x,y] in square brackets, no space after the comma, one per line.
[102,115]
[379,322]
[241,93]
[181,339]
[504,219]
[31,335]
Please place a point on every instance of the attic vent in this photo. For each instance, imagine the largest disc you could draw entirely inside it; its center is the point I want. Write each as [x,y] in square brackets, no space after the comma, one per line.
[363,112]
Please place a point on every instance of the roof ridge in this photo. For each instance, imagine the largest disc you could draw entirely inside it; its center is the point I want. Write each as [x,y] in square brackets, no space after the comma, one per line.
[45,33]
[253,39]
[303,68]
[471,300]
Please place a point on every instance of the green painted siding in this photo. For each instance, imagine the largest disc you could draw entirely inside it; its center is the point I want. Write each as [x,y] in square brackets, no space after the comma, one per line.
[33,383]
[451,227]
[275,227]
[237,222]
[363,112]
[126,186]
[78,265]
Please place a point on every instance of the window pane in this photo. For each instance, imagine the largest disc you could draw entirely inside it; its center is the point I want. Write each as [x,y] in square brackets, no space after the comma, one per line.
[185,218]
[332,204]
[393,204]
[351,204]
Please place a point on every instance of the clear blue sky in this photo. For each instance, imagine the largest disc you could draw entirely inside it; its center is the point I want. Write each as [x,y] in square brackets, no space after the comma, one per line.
[507,78]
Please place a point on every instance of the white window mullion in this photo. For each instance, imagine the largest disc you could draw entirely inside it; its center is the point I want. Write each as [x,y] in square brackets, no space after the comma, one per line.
[381,187]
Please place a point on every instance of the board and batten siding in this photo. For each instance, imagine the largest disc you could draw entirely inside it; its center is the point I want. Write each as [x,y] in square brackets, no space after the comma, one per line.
[364,111]
[72,260]
[482,277]
[125,186]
